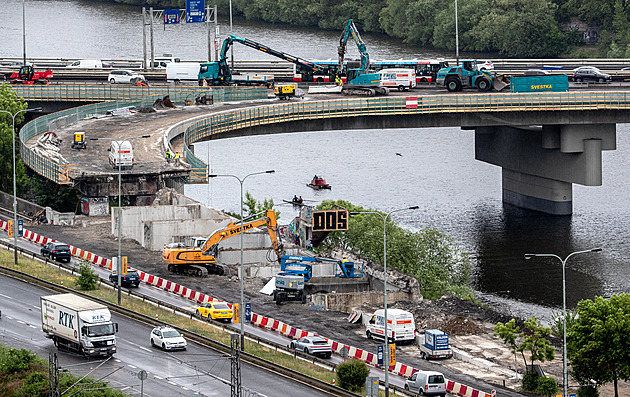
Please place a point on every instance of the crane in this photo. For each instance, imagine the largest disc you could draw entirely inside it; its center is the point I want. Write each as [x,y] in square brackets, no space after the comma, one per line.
[359,81]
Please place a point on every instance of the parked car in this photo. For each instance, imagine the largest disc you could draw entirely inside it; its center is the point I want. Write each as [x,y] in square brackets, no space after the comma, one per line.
[216,311]
[315,345]
[56,251]
[426,383]
[168,338]
[536,72]
[485,64]
[132,278]
[124,77]
[579,68]
[626,69]
[591,75]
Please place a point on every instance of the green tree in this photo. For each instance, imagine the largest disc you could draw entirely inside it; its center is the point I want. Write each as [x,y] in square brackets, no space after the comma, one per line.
[251,206]
[10,102]
[598,342]
[547,386]
[535,342]
[352,374]
[87,277]
[509,333]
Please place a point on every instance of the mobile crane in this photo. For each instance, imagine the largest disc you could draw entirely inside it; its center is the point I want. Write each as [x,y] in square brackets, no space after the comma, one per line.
[359,81]
[199,259]
[219,73]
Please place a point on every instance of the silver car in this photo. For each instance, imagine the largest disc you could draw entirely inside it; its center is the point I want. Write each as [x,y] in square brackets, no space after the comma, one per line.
[167,338]
[124,77]
[315,345]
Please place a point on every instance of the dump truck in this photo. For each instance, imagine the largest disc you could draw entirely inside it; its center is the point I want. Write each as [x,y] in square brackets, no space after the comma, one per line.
[469,75]
[78,324]
[434,345]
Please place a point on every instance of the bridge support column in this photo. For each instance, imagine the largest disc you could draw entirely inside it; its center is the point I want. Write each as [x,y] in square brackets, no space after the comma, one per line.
[540,164]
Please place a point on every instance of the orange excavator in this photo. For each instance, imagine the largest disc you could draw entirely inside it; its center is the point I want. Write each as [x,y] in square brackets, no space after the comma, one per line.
[199,259]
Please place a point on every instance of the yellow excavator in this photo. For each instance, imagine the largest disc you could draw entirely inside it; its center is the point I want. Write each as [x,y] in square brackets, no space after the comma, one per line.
[199,260]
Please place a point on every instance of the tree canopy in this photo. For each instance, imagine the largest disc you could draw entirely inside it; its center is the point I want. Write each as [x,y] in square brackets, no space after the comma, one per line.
[9,102]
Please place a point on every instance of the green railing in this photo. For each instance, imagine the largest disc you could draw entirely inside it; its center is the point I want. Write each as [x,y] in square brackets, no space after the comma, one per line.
[137,97]
[388,106]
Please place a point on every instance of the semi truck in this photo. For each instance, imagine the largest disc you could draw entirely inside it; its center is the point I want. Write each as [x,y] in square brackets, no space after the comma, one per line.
[435,345]
[78,324]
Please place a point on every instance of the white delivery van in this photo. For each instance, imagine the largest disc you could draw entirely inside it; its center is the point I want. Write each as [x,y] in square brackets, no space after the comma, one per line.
[182,71]
[86,63]
[402,79]
[121,154]
[426,383]
[401,327]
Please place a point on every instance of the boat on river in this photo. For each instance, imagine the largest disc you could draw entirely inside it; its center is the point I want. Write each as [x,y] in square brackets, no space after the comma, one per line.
[318,183]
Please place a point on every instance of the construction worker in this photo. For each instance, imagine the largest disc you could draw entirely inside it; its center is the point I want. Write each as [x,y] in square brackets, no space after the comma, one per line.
[347,267]
[338,80]
[176,156]
[169,155]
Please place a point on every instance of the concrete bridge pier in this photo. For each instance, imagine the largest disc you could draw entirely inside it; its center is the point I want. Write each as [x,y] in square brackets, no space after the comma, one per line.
[540,164]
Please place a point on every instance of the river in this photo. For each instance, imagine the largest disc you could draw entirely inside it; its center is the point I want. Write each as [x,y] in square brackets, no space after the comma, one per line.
[437,170]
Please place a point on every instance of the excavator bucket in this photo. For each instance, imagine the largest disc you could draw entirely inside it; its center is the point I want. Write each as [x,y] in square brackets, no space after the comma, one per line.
[500,82]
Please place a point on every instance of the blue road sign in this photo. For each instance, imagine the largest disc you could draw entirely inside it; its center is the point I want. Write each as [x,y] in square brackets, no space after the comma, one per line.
[379,355]
[195,11]
[248,312]
[171,16]
[20,227]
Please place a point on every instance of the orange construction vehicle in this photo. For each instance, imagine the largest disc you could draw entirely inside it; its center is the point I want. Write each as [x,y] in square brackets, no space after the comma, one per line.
[199,259]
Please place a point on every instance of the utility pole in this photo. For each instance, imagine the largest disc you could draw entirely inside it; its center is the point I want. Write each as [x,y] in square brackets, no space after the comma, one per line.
[53,375]
[235,353]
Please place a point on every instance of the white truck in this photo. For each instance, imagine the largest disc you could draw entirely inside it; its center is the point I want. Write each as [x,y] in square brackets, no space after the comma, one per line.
[78,324]
[401,326]
[435,345]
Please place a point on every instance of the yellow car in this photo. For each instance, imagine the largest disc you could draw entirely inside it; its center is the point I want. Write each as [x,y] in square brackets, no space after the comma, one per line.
[216,311]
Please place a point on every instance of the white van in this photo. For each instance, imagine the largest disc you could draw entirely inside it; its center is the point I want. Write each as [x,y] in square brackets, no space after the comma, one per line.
[121,154]
[401,326]
[426,383]
[402,79]
[182,71]
[86,63]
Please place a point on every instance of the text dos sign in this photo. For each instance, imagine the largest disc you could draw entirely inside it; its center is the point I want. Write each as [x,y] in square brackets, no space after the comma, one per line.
[330,220]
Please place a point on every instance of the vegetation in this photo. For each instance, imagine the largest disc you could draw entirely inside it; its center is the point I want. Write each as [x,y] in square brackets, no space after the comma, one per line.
[88,279]
[598,342]
[352,375]
[428,255]
[23,374]
[511,28]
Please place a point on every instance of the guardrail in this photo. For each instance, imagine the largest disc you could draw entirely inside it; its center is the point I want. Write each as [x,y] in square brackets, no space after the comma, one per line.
[387,106]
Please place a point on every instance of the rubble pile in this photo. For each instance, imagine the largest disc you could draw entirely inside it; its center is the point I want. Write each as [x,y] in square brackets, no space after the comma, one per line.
[47,146]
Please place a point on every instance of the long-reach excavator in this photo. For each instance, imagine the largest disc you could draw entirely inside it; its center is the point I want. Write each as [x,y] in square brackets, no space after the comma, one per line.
[219,73]
[359,81]
[199,260]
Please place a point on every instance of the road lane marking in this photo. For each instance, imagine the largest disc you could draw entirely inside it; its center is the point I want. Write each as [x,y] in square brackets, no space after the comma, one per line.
[6,296]
[131,366]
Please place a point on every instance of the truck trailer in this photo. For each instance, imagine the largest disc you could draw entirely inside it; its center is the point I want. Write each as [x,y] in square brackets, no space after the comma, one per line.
[78,324]
[435,345]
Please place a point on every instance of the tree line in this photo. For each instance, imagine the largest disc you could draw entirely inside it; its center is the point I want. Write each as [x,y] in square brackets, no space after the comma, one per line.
[508,28]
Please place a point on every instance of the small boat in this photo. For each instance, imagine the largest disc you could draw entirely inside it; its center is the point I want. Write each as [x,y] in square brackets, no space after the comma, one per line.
[295,201]
[318,183]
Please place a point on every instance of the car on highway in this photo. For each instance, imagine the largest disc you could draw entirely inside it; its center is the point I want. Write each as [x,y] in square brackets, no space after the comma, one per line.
[215,310]
[56,251]
[590,74]
[168,338]
[132,278]
[626,69]
[536,72]
[315,345]
[485,64]
[124,77]
[426,383]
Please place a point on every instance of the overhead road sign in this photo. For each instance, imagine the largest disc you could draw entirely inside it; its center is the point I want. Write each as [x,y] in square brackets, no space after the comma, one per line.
[195,11]
[171,17]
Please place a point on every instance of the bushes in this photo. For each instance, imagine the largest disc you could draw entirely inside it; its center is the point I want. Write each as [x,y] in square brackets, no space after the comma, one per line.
[352,375]
[87,277]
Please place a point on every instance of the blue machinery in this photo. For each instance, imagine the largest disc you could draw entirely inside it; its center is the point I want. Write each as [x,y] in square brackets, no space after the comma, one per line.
[295,265]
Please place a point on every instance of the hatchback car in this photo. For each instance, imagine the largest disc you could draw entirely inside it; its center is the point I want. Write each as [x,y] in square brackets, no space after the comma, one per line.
[315,345]
[215,311]
[168,338]
[584,74]
[124,77]
[132,278]
[57,251]
[485,64]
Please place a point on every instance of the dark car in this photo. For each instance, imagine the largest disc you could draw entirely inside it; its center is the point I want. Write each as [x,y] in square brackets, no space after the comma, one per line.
[131,278]
[590,74]
[57,251]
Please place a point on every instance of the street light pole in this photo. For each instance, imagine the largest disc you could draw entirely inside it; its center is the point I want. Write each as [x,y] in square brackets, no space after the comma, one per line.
[24,30]
[15,228]
[231,49]
[565,377]
[119,259]
[456,37]
[386,349]
[241,305]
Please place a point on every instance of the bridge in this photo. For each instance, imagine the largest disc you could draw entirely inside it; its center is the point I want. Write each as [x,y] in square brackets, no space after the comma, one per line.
[544,142]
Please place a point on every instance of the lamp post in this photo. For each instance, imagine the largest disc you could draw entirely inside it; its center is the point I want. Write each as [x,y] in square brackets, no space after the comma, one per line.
[119,259]
[24,30]
[456,37]
[386,359]
[231,49]
[13,116]
[565,377]
[241,306]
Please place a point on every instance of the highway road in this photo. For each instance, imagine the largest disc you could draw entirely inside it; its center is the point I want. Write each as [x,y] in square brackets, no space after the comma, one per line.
[197,370]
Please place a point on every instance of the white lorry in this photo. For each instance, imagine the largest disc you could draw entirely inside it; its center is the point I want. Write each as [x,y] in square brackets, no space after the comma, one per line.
[435,345]
[401,326]
[78,324]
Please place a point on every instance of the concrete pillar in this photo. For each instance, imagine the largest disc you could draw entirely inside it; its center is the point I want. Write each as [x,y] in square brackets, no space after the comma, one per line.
[540,164]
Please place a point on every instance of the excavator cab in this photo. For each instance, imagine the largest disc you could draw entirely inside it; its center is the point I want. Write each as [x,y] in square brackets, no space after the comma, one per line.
[26,73]
[79,140]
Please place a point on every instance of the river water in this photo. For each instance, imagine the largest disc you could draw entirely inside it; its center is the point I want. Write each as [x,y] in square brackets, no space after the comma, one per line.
[437,170]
